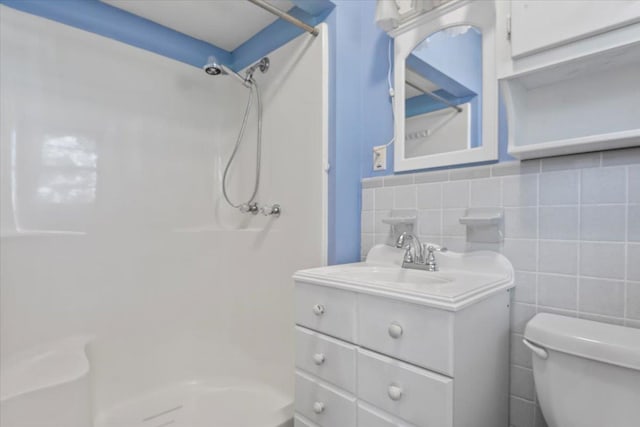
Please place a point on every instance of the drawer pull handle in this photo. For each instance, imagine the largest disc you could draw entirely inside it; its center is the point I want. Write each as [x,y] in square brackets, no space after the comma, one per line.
[318,407]
[318,309]
[318,358]
[395,331]
[395,392]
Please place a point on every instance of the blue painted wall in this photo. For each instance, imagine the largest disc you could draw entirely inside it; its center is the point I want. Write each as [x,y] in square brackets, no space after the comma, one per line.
[377,125]
[346,98]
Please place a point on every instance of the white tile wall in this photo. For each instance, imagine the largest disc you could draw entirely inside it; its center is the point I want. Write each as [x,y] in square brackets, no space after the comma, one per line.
[572,232]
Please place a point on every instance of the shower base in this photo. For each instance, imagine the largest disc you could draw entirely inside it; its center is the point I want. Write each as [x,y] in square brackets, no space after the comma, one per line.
[196,404]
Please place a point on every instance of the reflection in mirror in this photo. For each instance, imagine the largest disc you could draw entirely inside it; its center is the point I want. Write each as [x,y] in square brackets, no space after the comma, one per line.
[443,87]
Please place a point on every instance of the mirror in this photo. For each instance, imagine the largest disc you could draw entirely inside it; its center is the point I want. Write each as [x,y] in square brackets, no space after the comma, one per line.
[446,112]
[443,88]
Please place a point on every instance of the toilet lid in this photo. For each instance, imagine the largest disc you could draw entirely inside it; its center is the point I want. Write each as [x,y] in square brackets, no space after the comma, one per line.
[616,345]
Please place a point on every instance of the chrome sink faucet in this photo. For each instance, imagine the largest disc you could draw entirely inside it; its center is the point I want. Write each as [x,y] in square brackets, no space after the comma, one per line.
[417,255]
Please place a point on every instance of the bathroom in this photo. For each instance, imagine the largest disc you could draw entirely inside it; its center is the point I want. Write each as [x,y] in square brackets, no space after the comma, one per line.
[209,208]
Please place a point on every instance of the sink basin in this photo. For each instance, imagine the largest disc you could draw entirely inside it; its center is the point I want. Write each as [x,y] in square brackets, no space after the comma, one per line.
[462,279]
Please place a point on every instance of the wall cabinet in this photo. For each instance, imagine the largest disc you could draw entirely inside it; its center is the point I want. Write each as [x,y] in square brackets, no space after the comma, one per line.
[568,74]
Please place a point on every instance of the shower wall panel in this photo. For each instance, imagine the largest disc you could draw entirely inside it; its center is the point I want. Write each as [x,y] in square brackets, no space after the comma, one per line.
[113,222]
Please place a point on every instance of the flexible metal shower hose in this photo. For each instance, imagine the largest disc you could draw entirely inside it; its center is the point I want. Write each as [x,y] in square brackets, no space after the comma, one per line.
[252,85]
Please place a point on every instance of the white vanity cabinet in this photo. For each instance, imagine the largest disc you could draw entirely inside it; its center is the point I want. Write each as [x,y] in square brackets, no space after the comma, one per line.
[568,74]
[374,356]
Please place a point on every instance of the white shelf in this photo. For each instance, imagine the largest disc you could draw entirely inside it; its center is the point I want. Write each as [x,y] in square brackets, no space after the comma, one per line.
[607,141]
[581,105]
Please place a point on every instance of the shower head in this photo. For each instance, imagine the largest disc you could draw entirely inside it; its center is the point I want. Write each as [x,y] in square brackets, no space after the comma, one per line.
[215,69]
[212,69]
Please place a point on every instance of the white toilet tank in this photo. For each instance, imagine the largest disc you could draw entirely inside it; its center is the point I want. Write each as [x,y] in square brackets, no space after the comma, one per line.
[587,374]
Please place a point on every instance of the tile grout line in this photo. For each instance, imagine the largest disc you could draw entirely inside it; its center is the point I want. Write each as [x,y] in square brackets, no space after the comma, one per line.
[579,255]
[627,178]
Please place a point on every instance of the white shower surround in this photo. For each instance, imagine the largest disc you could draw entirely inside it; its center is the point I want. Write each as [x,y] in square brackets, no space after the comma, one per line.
[129,240]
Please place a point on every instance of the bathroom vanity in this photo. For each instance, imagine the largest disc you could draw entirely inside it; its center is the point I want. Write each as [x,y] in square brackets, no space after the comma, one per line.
[378,345]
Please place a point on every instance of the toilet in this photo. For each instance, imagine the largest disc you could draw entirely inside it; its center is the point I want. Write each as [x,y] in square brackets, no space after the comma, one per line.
[587,374]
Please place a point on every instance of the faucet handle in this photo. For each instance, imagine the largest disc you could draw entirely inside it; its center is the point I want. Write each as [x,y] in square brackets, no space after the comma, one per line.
[430,259]
[431,248]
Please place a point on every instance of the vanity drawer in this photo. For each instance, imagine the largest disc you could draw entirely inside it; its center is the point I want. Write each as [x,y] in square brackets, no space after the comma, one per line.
[300,421]
[324,404]
[331,360]
[331,311]
[368,416]
[420,397]
[415,333]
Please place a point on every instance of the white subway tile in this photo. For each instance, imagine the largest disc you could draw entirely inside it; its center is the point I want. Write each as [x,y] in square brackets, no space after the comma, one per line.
[383,198]
[633,261]
[633,300]
[430,196]
[633,213]
[520,190]
[486,192]
[634,184]
[603,185]
[522,382]
[525,290]
[603,223]
[558,257]
[559,188]
[367,199]
[604,260]
[520,353]
[559,222]
[455,194]
[366,243]
[520,315]
[405,197]
[602,319]
[368,221]
[451,222]
[601,296]
[558,291]
[521,222]
[522,253]
[430,222]
[521,413]
[380,227]
[456,244]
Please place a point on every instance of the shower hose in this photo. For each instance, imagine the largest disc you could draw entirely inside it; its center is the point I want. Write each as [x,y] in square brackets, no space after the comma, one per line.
[245,207]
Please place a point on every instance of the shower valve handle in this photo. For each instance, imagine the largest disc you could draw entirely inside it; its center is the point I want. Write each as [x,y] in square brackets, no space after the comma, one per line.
[273,210]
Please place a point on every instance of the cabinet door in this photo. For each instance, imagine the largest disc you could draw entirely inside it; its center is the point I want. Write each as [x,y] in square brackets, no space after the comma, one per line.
[538,25]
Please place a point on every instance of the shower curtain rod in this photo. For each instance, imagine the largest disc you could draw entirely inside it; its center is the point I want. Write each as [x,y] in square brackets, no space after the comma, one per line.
[284,15]
[434,96]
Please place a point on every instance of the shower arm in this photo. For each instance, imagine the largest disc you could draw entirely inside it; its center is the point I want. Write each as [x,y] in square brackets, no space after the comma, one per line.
[284,15]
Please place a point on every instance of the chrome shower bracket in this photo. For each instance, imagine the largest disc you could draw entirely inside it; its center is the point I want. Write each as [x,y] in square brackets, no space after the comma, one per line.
[262,65]
[273,210]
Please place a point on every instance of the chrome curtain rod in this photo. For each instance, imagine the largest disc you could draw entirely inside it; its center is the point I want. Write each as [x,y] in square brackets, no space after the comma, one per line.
[434,96]
[284,15]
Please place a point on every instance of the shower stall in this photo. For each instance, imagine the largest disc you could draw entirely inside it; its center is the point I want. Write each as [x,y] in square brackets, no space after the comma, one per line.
[128,286]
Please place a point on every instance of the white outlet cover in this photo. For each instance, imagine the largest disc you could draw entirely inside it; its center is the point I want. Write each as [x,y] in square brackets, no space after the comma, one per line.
[380,158]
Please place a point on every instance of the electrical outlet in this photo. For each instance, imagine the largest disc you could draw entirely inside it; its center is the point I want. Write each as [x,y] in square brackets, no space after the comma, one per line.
[380,158]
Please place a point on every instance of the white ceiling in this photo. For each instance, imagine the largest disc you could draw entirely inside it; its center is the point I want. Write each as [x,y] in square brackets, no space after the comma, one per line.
[224,23]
